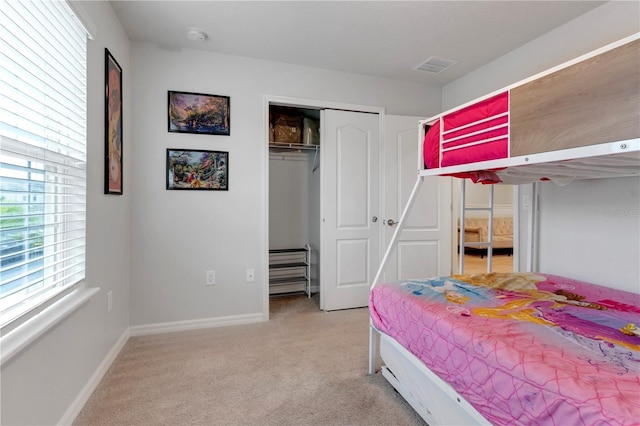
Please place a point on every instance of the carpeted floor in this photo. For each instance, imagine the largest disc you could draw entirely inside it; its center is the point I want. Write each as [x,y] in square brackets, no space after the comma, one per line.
[303,367]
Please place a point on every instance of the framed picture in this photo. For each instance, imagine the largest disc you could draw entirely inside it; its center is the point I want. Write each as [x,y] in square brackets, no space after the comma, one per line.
[199,113]
[197,169]
[113,125]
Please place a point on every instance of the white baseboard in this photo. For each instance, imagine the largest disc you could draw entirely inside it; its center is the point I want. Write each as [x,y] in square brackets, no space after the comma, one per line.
[74,409]
[168,327]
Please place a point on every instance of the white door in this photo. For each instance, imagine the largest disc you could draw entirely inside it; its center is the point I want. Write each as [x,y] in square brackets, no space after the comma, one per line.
[350,207]
[424,245]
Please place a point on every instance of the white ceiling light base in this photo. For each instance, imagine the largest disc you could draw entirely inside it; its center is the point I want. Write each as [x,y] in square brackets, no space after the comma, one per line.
[196,34]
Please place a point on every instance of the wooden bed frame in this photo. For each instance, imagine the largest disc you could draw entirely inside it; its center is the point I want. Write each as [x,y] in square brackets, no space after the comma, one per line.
[556,128]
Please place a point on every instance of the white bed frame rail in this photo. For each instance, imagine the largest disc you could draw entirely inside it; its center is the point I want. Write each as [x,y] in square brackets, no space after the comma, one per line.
[434,399]
[610,159]
[430,396]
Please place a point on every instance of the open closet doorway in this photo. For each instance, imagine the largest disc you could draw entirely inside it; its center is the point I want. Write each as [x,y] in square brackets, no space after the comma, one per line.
[505,227]
[294,201]
[323,201]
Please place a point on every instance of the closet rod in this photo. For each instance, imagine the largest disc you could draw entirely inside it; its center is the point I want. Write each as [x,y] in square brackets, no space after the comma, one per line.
[295,146]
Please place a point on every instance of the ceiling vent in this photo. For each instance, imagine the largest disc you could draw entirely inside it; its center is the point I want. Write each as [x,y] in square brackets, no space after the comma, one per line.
[436,65]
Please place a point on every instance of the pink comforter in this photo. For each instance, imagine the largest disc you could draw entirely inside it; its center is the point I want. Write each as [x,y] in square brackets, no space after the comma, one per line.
[523,348]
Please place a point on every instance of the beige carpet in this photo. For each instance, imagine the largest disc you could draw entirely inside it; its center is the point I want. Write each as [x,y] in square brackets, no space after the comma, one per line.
[303,367]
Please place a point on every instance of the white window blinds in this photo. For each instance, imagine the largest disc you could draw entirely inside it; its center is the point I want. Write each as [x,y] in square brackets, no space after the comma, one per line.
[42,153]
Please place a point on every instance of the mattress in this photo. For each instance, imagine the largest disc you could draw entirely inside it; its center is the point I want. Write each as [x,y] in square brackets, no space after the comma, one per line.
[479,132]
[586,108]
[522,348]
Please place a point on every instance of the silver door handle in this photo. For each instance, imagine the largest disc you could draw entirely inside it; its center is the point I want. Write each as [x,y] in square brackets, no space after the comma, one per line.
[391,222]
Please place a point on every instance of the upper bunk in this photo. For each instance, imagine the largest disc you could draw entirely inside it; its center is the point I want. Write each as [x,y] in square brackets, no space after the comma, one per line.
[578,120]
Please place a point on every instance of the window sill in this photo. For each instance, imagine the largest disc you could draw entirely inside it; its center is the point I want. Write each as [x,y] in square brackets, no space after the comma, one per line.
[16,340]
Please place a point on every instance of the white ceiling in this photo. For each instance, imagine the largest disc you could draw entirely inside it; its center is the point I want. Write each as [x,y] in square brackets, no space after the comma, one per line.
[378,38]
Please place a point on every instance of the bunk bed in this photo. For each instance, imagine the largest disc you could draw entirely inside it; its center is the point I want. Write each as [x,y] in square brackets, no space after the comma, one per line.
[521,348]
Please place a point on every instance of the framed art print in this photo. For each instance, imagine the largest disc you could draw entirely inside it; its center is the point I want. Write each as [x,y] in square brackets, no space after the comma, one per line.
[113,125]
[199,113]
[197,169]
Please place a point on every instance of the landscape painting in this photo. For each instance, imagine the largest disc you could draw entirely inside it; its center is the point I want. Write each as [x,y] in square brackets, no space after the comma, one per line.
[197,169]
[199,113]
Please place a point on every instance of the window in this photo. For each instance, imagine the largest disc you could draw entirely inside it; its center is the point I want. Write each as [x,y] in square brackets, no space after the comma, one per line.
[42,154]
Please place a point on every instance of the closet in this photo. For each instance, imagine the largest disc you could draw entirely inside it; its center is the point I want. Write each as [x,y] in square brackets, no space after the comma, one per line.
[324,192]
[294,200]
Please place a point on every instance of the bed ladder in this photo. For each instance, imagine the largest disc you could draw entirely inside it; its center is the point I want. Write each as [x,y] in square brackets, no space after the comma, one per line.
[482,244]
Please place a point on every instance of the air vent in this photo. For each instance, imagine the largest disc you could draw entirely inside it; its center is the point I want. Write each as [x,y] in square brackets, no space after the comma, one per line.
[436,65]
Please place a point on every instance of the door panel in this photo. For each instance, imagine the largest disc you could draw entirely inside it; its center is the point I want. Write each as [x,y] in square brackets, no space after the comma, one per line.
[352,176]
[350,200]
[352,258]
[424,245]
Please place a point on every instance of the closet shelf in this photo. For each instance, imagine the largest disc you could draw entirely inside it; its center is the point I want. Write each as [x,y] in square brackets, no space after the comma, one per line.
[297,146]
[286,280]
[287,265]
[289,250]
[290,270]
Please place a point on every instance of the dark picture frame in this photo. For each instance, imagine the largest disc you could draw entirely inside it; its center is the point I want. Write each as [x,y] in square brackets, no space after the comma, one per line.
[199,113]
[191,169]
[113,176]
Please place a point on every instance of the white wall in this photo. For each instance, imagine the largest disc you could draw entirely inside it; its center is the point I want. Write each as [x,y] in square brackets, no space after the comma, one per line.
[603,25]
[595,226]
[43,384]
[562,244]
[289,199]
[176,236]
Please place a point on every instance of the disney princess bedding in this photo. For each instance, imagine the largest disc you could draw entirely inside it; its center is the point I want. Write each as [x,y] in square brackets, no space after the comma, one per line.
[522,348]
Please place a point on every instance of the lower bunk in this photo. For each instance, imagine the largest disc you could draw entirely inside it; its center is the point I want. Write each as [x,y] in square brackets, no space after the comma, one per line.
[517,348]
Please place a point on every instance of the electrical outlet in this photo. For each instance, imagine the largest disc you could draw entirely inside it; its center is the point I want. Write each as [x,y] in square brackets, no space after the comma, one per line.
[211,277]
[109,301]
[251,276]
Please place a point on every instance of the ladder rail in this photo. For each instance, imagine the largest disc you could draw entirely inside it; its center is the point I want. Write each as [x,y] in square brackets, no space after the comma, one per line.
[490,236]
[400,226]
[532,230]
[489,242]
[392,246]
[463,196]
